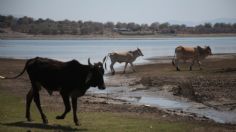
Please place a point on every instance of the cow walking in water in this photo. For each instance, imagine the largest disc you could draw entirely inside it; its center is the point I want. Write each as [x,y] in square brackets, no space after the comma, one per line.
[71,79]
[190,53]
[127,57]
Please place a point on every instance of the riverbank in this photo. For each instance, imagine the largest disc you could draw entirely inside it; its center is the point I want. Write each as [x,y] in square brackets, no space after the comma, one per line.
[213,86]
[211,89]
[10,35]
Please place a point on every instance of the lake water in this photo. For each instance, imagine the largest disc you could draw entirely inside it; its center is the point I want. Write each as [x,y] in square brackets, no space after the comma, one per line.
[96,49]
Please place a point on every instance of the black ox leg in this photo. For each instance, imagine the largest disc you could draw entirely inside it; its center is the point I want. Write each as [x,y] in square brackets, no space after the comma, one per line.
[29,99]
[34,94]
[74,106]
[37,102]
[66,101]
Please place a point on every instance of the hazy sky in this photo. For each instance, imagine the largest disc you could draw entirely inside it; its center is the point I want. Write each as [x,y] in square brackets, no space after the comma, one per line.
[139,11]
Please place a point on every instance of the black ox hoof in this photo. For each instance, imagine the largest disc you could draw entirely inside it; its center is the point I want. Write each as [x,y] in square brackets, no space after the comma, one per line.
[77,124]
[45,121]
[60,117]
[29,119]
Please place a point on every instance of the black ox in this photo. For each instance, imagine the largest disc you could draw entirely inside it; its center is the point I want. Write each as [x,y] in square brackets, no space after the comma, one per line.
[71,79]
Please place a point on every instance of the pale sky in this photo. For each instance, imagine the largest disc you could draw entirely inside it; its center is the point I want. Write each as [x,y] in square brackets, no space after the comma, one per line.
[138,11]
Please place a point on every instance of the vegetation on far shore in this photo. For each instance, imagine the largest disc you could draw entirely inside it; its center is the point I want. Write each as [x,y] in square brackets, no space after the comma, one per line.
[41,26]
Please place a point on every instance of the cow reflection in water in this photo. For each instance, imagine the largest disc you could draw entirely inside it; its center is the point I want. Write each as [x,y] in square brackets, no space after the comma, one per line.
[71,79]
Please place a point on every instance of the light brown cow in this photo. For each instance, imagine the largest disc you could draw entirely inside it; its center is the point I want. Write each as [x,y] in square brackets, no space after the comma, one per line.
[127,57]
[190,53]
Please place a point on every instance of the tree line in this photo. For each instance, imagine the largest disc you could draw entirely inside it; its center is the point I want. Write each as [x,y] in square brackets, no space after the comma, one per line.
[50,27]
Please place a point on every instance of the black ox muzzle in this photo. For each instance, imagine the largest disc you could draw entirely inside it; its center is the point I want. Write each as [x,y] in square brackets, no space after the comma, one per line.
[102,86]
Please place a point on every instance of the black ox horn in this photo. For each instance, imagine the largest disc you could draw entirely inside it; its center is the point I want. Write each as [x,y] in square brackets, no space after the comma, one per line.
[89,62]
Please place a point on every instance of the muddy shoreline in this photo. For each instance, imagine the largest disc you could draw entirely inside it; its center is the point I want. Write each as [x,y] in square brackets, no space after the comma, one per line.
[214,86]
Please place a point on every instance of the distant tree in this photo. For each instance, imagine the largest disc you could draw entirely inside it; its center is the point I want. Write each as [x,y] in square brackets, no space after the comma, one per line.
[86,28]
[47,26]
[234,25]
[207,25]
[144,27]
[98,28]
[183,26]
[74,31]
[40,20]
[6,21]
[25,20]
[155,26]
[164,26]
[133,26]
[109,25]
[34,29]
[121,25]
[2,21]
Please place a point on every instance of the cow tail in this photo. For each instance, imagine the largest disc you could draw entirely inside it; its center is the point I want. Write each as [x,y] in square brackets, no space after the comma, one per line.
[104,61]
[26,65]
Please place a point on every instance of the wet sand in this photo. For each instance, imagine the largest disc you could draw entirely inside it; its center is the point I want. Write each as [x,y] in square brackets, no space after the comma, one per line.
[214,86]
[209,92]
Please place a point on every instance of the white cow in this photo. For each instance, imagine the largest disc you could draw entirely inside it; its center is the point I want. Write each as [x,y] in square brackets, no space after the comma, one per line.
[127,57]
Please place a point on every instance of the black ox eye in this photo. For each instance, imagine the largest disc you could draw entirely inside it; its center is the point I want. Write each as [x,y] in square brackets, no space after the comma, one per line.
[100,70]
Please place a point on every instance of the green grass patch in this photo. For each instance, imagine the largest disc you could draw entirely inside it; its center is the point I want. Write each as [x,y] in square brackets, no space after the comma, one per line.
[12,118]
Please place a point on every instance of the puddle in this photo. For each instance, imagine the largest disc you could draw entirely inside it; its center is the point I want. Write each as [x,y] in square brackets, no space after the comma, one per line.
[191,107]
[217,116]
[162,102]
[172,103]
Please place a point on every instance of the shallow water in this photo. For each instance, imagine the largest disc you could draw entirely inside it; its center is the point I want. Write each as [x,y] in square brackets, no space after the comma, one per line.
[191,107]
[172,103]
[163,102]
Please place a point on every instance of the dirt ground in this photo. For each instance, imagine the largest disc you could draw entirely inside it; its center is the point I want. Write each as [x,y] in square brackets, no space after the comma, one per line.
[214,86]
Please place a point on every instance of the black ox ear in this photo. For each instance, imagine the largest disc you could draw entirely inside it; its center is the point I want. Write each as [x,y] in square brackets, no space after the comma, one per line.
[99,65]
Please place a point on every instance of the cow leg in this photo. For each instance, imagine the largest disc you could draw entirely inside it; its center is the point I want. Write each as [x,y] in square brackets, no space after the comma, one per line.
[132,66]
[37,102]
[29,99]
[66,101]
[199,64]
[112,69]
[177,65]
[74,106]
[190,68]
[125,66]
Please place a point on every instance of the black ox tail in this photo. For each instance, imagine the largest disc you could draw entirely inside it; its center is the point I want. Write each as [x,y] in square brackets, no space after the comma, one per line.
[26,65]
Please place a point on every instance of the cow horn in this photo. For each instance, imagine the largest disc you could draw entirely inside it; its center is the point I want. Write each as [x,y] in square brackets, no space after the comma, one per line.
[89,62]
